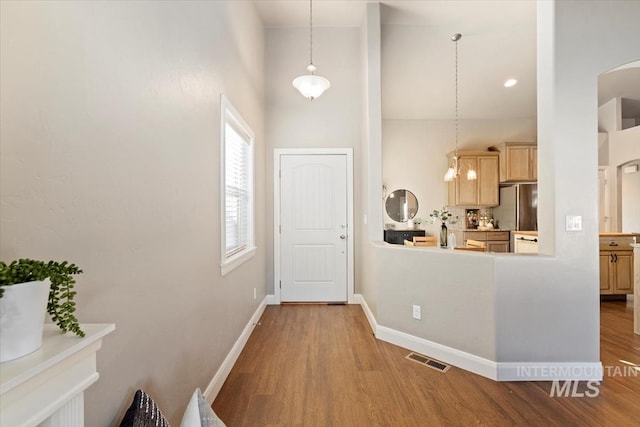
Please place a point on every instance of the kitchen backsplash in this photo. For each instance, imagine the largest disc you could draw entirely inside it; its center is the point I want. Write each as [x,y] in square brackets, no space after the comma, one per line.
[459,216]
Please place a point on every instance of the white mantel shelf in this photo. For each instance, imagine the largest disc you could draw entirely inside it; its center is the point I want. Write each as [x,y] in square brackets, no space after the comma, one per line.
[47,386]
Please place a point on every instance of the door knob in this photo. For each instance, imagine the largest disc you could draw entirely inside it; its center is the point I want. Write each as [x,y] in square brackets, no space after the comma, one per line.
[342,236]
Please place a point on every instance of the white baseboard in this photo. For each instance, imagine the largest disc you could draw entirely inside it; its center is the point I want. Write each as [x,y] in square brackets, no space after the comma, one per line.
[481,366]
[467,361]
[270,300]
[221,375]
[461,359]
[531,371]
[359,299]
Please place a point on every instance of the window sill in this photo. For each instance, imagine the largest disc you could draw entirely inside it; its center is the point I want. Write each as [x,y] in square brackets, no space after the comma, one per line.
[230,264]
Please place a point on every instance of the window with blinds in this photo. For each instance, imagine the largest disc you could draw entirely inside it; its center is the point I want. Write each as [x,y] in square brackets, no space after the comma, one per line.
[237,189]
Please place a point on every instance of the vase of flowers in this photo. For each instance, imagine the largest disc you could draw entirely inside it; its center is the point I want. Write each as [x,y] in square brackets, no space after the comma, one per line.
[442,215]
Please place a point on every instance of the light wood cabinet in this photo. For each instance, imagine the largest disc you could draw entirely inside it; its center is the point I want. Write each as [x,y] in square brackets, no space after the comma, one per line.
[616,264]
[518,161]
[484,190]
[533,153]
[498,246]
[616,272]
[496,241]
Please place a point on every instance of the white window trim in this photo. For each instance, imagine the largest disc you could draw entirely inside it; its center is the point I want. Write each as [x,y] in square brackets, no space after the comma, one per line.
[228,264]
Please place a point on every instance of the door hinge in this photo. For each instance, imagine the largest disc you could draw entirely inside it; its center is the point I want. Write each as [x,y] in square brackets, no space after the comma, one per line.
[280,284]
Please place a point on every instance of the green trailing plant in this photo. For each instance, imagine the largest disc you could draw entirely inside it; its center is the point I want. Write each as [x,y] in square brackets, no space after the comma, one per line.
[61,305]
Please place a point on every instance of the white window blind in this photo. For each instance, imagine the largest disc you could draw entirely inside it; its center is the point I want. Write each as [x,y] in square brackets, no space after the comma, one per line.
[237,189]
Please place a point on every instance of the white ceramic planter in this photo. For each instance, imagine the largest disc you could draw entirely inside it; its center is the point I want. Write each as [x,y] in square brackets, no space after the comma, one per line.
[22,311]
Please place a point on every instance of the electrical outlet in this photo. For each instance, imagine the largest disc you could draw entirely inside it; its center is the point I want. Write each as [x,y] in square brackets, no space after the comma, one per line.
[255,294]
[417,312]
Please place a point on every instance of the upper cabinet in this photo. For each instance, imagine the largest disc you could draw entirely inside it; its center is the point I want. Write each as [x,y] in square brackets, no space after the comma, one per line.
[518,161]
[482,191]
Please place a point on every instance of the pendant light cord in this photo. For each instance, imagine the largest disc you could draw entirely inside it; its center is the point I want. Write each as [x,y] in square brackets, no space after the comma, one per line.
[456,43]
[311,32]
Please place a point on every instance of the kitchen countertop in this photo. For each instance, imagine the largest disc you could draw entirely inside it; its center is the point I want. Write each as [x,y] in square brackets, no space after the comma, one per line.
[526,233]
[607,234]
[475,229]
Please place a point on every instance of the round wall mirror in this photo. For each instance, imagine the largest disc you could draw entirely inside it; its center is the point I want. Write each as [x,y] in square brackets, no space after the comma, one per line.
[401,205]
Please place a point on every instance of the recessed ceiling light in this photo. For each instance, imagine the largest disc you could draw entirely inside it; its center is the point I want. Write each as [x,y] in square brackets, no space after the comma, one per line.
[510,83]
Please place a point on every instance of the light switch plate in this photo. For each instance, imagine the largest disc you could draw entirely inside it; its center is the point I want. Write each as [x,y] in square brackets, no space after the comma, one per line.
[417,312]
[574,223]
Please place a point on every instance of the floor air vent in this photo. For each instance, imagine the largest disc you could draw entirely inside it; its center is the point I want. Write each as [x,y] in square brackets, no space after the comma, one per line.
[432,363]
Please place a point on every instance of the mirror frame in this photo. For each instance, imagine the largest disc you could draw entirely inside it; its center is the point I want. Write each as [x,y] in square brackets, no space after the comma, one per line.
[396,212]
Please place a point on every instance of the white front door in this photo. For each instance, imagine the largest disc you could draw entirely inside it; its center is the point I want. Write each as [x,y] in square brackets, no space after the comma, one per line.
[313,228]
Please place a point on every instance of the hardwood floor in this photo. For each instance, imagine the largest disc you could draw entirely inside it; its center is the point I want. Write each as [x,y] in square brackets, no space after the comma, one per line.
[320,365]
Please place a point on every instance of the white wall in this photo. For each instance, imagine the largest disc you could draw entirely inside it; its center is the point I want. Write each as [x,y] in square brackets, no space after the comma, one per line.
[620,147]
[457,304]
[332,120]
[546,307]
[630,200]
[623,148]
[549,308]
[110,159]
[609,116]
[371,160]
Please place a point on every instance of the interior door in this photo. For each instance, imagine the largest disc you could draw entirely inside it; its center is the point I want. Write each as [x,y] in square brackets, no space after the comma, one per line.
[313,228]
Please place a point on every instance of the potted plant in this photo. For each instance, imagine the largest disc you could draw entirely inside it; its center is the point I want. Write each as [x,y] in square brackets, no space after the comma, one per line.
[27,284]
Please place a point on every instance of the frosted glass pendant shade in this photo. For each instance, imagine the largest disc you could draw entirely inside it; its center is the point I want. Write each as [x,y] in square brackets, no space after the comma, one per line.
[471,175]
[310,85]
[450,175]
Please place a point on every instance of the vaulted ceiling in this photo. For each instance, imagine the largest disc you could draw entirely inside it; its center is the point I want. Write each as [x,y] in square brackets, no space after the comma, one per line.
[418,68]
[418,56]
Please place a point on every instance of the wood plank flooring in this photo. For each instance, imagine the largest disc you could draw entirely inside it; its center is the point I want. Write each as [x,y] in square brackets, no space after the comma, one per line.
[320,365]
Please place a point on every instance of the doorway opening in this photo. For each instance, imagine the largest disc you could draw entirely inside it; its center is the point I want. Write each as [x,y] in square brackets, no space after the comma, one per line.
[619,188]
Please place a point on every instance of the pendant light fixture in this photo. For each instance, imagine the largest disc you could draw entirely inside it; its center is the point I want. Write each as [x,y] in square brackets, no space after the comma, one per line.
[454,169]
[310,85]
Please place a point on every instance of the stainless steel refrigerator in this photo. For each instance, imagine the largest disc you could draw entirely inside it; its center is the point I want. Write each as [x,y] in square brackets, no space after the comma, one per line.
[518,209]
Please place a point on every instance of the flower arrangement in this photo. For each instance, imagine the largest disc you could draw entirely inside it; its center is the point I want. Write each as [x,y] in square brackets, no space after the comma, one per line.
[440,215]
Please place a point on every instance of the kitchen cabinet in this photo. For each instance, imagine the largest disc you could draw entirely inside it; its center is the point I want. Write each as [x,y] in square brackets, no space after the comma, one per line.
[397,237]
[518,161]
[482,191]
[498,246]
[616,264]
[616,272]
[496,241]
[525,243]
